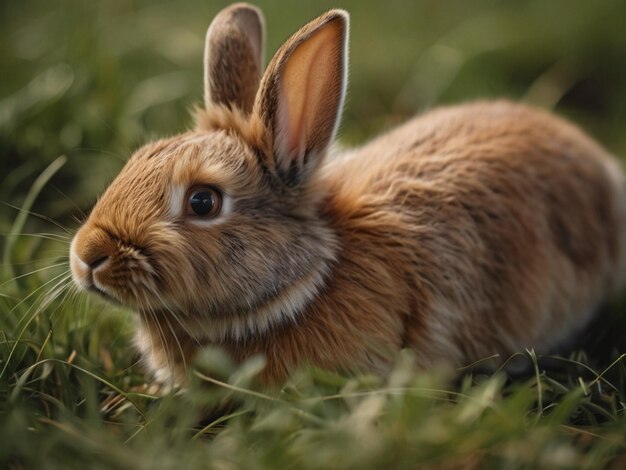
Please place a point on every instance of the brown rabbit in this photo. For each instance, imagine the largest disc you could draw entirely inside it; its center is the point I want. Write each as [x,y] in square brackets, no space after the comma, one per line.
[469,231]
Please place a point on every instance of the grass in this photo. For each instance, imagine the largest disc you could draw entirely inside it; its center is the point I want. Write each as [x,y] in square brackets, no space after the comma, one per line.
[86,82]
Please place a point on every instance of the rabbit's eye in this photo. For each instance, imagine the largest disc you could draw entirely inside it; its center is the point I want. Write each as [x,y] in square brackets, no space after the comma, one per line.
[204,201]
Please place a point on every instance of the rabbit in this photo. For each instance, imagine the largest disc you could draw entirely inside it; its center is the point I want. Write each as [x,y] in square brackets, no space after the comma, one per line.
[469,231]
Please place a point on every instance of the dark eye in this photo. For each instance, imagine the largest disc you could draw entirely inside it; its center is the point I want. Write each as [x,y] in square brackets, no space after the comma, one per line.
[204,201]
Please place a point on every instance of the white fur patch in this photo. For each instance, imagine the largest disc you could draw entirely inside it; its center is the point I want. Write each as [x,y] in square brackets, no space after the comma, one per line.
[80,269]
[285,308]
[175,204]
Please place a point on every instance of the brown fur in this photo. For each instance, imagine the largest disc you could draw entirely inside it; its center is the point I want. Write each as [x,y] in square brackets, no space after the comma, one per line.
[234,60]
[469,231]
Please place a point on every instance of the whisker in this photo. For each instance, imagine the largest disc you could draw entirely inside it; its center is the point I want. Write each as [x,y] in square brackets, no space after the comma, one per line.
[33,272]
[40,216]
[143,314]
[180,348]
[69,199]
[161,334]
[47,236]
[79,221]
[42,260]
[68,291]
[49,297]
[66,273]
[108,153]
[83,303]
[45,300]
[175,316]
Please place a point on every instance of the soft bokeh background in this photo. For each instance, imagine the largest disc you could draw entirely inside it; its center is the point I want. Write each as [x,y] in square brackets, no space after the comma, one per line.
[92,80]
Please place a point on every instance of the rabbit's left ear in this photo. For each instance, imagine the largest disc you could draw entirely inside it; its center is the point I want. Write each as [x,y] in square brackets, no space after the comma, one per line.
[233,57]
[302,93]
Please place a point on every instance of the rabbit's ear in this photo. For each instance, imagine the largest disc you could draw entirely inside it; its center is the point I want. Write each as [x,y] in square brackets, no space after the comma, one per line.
[233,57]
[302,93]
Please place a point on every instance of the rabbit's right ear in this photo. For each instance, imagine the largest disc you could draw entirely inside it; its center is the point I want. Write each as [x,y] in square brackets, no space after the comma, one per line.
[301,95]
[233,57]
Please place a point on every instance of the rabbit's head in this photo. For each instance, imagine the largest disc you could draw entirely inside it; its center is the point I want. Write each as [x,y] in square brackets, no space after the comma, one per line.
[219,226]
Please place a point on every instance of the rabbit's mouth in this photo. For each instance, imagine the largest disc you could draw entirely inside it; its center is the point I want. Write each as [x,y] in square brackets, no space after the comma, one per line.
[118,272]
[105,295]
[128,294]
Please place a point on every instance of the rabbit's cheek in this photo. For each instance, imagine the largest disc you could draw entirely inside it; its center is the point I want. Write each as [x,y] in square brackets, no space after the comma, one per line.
[128,277]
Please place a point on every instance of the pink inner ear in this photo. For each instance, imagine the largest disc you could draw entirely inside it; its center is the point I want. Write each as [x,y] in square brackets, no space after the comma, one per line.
[290,136]
[310,94]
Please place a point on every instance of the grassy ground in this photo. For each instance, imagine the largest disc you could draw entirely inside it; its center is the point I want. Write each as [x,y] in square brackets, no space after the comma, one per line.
[83,83]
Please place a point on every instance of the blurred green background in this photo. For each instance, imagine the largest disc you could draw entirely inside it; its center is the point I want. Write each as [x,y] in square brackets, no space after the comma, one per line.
[92,80]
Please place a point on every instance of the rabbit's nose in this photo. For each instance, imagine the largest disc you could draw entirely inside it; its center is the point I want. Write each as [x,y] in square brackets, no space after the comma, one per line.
[97,262]
[90,250]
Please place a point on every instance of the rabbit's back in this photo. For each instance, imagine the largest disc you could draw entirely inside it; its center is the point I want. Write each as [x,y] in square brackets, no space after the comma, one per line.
[508,220]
